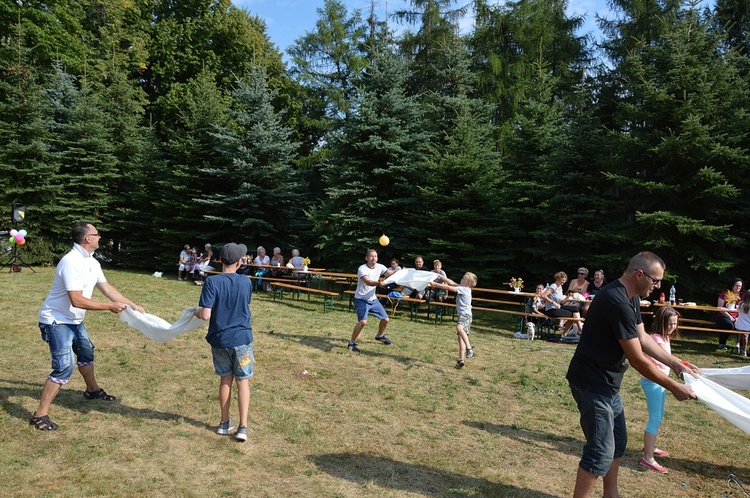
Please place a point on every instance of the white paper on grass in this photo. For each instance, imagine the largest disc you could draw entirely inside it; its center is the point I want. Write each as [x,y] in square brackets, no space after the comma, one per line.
[733,378]
[727,403]
[411,278]
[158,329]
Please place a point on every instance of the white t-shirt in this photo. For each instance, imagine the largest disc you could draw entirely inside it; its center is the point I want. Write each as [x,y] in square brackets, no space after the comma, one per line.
[77,271]
[364,291]
[743,320]
[264,261]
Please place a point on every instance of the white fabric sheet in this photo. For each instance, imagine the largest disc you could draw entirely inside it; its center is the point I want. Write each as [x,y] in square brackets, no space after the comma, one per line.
[727,403]
[733,378]
[411,278]
[158,329]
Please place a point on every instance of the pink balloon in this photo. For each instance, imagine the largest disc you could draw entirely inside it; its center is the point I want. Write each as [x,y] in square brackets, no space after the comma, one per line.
[18,237]
[13,232]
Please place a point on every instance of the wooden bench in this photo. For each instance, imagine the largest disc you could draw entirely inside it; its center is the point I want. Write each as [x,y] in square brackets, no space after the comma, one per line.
[298,289]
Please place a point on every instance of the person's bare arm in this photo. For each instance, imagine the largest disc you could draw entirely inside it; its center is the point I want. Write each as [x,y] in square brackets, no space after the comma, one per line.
[634,353]
[114,295]
[203,313]
[651,348]
[445,287]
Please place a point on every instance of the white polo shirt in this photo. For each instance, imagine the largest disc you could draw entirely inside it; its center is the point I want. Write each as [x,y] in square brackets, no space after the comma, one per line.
[77,271]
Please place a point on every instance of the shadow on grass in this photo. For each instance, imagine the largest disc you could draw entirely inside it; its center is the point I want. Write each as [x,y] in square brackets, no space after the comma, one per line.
[414,478]
[532,438]
[573,446]
[329,344]
[74,401]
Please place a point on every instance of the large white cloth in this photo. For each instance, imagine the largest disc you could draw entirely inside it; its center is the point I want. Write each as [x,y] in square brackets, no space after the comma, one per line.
[727,403]
[158,329]
[411,278]
[733,378]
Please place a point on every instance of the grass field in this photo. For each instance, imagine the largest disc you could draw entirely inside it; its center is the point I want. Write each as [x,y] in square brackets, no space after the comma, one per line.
[393,421]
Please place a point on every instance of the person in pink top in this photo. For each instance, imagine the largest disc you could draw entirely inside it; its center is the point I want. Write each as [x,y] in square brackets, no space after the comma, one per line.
[664,329]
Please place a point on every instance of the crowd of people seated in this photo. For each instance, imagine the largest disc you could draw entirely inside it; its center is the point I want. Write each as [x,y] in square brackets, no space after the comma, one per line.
[566,299]
[192,265]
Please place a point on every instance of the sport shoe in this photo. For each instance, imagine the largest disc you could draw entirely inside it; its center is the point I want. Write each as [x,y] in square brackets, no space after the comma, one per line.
[353,347]
[470,352]
[460,364]
[722,346]
[653,466]
[225,427]
[241,434]
[383,339]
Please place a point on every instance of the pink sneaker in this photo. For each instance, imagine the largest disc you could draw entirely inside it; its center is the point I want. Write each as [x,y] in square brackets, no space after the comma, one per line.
[658,452]
[653,466]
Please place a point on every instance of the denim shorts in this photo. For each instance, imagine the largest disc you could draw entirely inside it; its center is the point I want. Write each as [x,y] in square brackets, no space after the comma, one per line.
[237,361]
[374,308]
[603,424]
[464,320]
[66,340]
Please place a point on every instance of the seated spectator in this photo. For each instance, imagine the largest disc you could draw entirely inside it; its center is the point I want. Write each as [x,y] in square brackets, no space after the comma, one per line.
[262,259]
[555,303]
[729,298]
[184,263]
[579,285]
[409,292]
[594,287]
[296,260]
[597,283]
[536,304]
[438,294]
[277,260]
[205,262]
[394,265]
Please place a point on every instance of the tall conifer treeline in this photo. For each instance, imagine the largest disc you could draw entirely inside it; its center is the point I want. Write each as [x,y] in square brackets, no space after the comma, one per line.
[518,148]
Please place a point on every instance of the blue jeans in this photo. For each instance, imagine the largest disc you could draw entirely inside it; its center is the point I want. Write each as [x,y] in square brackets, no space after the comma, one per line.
[603,424]
[66,340]
[237,361]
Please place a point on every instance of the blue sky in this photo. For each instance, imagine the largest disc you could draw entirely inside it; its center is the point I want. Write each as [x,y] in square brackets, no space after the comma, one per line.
[287,20]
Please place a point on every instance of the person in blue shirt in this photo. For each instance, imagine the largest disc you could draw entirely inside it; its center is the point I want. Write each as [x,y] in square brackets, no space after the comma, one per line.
[225,303]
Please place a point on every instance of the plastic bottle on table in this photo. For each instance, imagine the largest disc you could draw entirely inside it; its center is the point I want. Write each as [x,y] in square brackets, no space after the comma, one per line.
[672,296]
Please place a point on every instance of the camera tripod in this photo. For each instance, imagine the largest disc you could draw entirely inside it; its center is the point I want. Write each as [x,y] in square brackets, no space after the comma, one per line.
[14,261]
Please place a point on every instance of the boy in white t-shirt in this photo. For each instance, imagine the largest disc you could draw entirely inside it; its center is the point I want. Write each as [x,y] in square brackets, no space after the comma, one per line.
[463,310]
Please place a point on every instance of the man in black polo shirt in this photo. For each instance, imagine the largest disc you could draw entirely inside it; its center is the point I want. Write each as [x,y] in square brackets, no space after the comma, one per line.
[614,337]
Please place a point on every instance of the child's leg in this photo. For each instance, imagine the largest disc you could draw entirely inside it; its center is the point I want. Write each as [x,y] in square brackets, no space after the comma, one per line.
[655,401]
[225,395]
[243,399]
[463,342]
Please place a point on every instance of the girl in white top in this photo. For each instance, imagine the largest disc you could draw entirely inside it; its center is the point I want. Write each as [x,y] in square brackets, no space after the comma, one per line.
[663,331]
[743,323]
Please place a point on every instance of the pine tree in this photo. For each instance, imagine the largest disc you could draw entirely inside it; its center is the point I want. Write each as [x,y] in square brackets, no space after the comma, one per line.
[375,170]
[259,195]
[680,141]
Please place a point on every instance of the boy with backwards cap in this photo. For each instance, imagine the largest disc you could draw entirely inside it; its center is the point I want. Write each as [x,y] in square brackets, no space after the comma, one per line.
[225,303]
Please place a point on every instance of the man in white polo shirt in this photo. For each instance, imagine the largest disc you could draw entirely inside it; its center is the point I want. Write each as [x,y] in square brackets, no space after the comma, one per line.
[61,320]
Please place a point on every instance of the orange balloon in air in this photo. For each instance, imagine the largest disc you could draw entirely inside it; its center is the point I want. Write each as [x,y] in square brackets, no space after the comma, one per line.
[384,240]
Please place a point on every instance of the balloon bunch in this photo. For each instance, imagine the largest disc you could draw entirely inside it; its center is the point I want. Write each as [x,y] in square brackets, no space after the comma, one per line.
[17,237]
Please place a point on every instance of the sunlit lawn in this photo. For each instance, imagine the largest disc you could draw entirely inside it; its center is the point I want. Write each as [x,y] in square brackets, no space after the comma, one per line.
[394,420]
